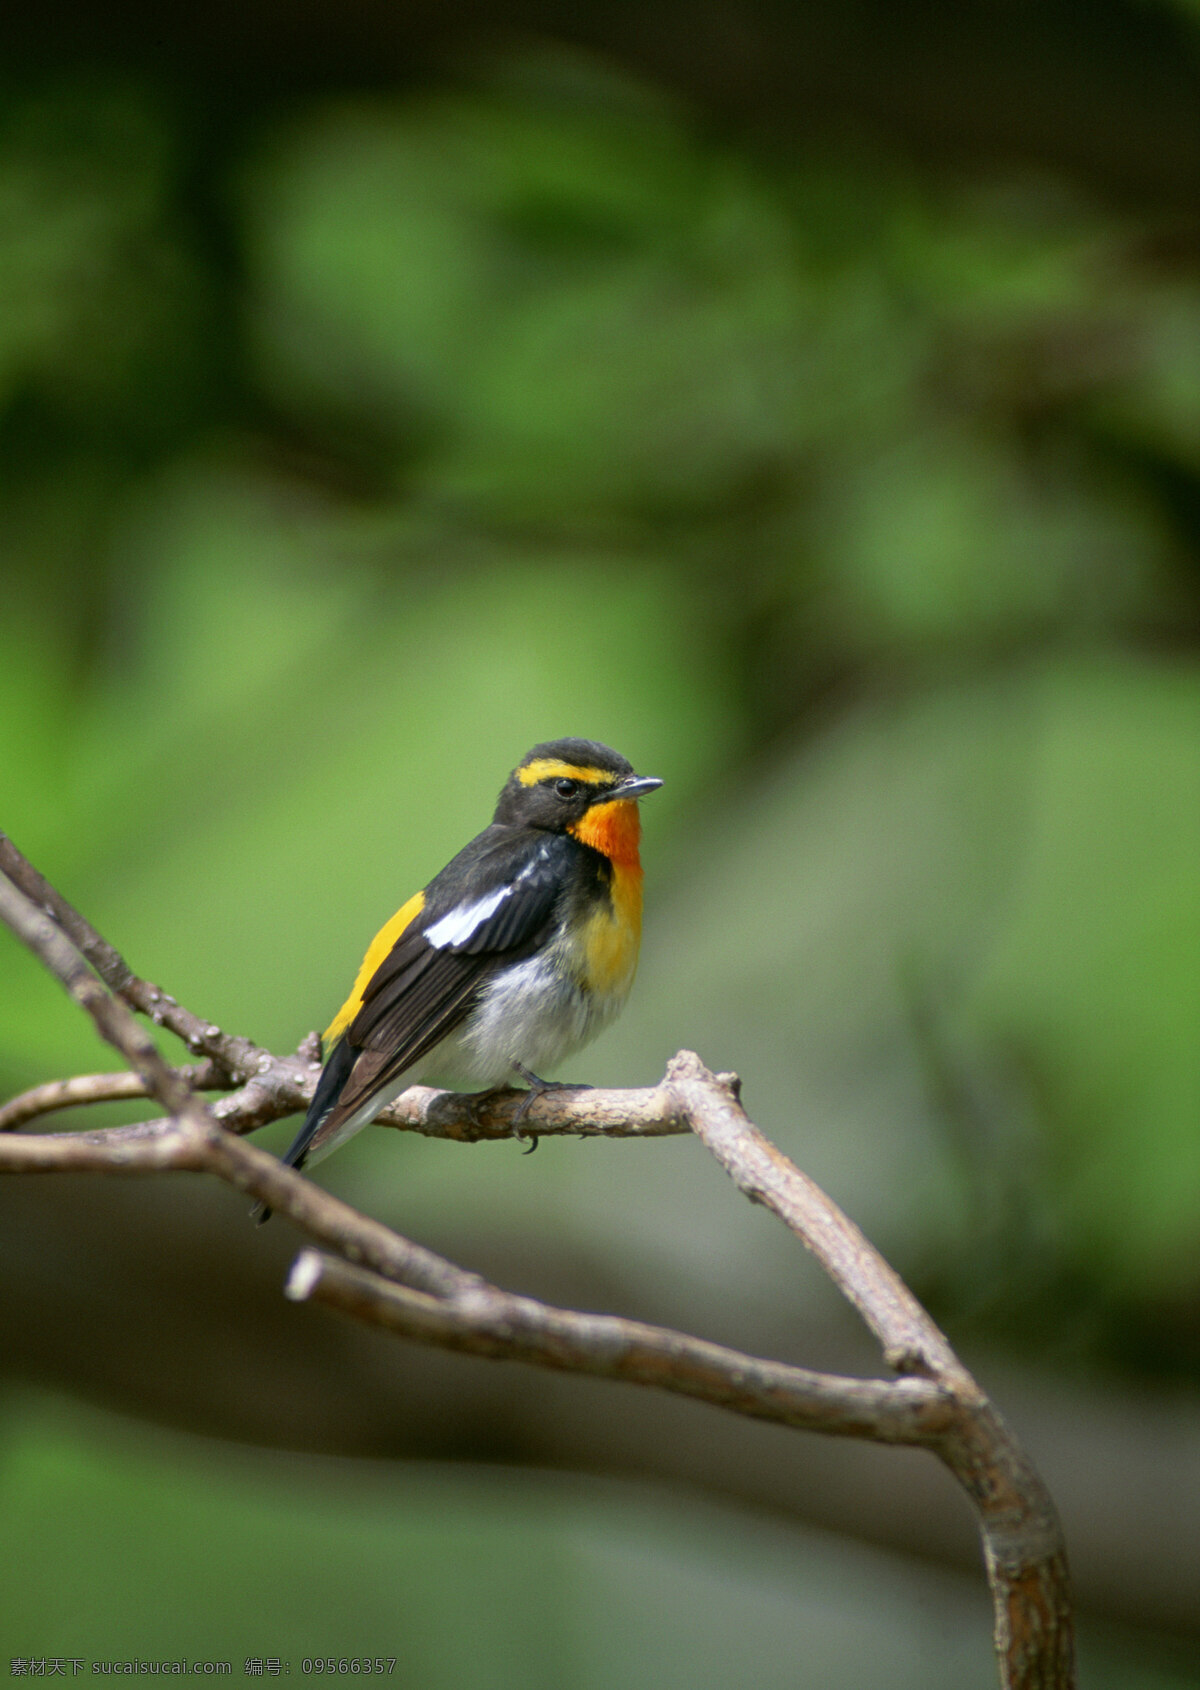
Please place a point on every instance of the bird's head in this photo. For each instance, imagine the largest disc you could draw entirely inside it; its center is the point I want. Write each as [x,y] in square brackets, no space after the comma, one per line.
[580,787]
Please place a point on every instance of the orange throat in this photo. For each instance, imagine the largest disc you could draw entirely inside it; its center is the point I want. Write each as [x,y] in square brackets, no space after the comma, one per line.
[614,829]
[613,933]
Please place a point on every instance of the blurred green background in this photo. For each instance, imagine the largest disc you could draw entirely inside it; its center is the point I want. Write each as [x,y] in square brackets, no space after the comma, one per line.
[805,401]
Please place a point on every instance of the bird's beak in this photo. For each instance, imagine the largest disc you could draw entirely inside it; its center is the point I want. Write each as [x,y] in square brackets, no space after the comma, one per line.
[633,786]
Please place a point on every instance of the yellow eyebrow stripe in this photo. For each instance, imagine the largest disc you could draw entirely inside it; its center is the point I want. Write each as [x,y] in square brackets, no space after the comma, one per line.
[379,947]
[553,768]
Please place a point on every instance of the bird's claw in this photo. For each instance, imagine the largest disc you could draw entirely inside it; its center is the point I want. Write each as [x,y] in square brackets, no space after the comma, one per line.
[537,1088]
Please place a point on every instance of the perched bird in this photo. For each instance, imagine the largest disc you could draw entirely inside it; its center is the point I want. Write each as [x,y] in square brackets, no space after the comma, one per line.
[515,956]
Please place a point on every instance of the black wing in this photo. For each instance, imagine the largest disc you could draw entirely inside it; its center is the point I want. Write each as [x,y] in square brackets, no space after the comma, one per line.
[493,903]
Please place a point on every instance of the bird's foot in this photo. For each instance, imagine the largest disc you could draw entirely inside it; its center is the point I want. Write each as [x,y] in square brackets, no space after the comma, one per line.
[537,1087]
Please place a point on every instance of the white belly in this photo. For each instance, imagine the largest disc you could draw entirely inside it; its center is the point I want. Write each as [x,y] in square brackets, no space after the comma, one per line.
[530,1013]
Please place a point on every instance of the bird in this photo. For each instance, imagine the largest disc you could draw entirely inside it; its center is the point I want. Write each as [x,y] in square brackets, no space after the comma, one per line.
[509,961]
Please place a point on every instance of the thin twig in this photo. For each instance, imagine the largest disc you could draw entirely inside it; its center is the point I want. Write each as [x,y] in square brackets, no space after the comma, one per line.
[194,1140]
[237,1056]
[82,1089]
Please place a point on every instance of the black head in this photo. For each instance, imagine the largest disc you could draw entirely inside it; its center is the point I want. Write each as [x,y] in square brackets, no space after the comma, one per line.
[557,782]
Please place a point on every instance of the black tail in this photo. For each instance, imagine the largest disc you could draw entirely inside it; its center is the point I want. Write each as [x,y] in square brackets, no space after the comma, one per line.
[329,1087]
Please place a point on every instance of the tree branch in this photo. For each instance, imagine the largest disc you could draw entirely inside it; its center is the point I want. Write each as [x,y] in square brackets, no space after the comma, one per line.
[97,1088]
[285,1087]
[501,1326]
[1023,1541]
[236,1056]
[402,1286]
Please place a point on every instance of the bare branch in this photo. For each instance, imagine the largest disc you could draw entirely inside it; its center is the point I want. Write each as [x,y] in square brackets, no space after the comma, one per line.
[97,1088]
[1022,1537]
[580,1111]
[937,1404]
[911,1341]
[113,1020]
[237,1056]
[496,1324]
[194,1140]
[284,1086]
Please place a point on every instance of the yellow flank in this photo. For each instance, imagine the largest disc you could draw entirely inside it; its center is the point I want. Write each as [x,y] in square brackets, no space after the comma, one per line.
[553,768]
[379,947]
[611,938]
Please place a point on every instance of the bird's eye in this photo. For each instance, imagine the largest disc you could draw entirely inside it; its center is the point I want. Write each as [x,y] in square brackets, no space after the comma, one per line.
[566,788]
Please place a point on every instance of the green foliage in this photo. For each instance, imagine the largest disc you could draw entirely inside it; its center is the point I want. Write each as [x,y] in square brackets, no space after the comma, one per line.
[102,293]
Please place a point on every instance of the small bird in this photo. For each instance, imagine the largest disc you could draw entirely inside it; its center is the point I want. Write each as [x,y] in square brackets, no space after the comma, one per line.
[514,957]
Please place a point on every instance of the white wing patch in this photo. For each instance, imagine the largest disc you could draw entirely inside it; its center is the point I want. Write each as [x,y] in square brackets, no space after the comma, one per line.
[457,926]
